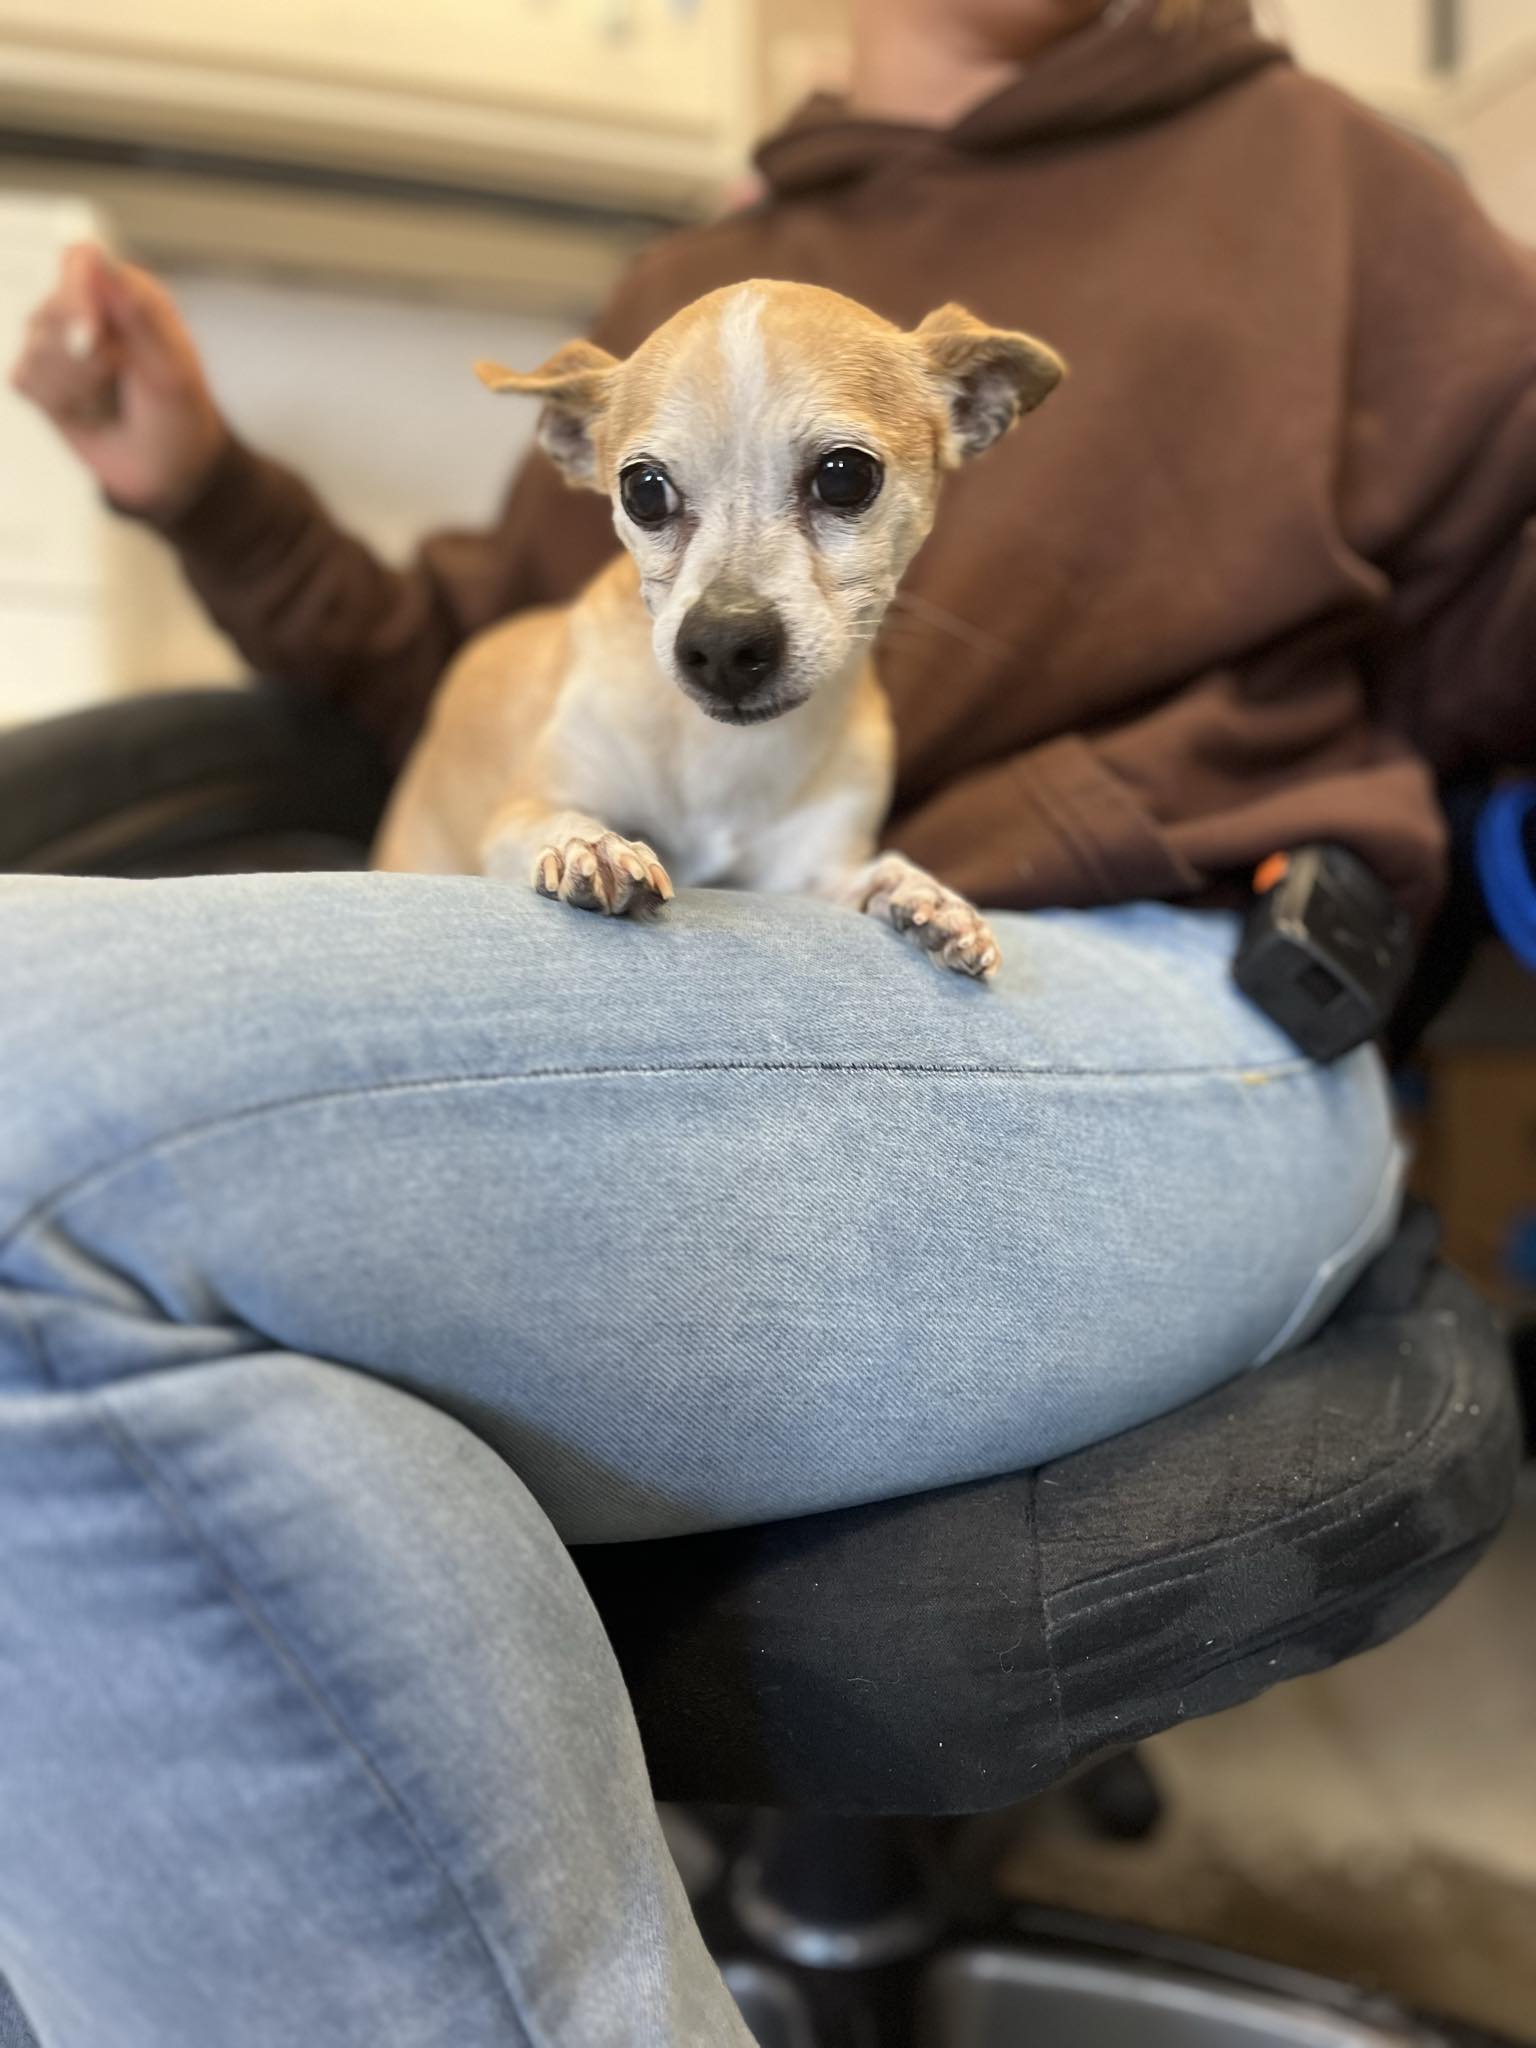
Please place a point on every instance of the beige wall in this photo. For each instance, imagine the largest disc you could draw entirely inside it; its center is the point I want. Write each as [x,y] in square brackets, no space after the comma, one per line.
[1495,26]
[1368,44]
[1383,45]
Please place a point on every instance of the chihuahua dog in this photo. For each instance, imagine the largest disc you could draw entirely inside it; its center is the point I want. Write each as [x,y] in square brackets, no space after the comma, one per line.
[707,710]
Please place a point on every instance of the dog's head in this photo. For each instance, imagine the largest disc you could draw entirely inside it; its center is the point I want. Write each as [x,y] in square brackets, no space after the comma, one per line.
[773,455]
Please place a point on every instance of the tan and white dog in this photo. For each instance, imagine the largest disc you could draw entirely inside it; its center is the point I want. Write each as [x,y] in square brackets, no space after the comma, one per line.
[773,455]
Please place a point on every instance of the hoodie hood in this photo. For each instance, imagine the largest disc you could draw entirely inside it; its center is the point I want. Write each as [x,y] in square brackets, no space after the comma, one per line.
[1107,75]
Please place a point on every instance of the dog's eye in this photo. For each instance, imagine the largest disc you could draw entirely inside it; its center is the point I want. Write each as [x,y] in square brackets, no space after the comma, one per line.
[649,495]
[847,479]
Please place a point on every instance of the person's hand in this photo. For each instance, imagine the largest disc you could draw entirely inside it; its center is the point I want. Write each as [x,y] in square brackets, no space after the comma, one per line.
[109,359]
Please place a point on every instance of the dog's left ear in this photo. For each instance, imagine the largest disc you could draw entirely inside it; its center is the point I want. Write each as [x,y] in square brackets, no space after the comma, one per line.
[574,387]
[989,376]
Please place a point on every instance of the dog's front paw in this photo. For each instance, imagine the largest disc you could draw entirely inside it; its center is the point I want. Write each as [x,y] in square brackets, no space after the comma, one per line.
[618,877]
[953,931]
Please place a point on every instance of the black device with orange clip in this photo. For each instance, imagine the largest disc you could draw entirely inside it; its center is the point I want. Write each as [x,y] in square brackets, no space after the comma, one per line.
[1325,951]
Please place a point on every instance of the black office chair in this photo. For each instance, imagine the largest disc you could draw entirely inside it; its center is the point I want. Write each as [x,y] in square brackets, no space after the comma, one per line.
[851,1677]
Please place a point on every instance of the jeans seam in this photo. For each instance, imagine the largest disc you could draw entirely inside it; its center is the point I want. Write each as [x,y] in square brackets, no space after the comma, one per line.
[139,1460]
[1385,1198]
[1282,1070]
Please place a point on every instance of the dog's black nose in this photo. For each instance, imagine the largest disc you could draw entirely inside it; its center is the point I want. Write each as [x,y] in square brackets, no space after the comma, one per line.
[730,643]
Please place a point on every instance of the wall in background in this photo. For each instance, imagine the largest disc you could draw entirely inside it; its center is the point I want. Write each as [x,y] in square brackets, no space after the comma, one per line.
[1383,46]
[1372,45]
[624,104]
[1491,27]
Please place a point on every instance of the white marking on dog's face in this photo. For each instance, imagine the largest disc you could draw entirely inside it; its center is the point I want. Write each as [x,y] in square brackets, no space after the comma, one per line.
[773,455]
[735,430]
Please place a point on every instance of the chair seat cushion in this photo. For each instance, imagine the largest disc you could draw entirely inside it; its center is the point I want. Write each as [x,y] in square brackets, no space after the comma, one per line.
[961,1650]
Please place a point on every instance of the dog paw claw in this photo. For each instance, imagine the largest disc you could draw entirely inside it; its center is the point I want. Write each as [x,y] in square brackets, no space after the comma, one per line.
[613,876]
[951,931]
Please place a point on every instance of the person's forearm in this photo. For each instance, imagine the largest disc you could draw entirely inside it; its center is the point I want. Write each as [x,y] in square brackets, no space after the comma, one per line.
[305,601]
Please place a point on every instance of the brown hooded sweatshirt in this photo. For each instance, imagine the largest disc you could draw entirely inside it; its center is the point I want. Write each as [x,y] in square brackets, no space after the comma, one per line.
[1263,566]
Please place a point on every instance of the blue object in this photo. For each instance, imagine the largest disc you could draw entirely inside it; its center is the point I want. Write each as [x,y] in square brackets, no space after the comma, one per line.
[1520,1250]
[1504,867]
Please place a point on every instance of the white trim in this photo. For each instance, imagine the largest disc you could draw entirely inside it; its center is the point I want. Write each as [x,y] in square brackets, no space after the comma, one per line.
[533,263]
[602,118]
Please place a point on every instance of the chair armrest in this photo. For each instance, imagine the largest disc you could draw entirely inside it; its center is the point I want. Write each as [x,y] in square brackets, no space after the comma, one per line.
[184,778]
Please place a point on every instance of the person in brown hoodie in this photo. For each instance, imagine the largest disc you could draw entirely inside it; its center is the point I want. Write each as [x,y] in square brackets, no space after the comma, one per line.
[748,1213]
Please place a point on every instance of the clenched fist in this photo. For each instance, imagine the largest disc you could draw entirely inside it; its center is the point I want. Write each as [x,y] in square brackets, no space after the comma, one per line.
[109,359]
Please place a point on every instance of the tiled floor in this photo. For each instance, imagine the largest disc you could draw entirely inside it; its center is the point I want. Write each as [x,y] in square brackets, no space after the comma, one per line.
[1377,1822]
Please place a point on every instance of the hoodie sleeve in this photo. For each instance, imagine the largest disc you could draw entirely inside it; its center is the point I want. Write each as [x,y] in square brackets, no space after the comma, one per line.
[1438,480]
[308,602]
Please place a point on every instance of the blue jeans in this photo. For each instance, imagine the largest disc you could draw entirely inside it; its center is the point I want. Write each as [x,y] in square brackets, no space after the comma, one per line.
[364,1239]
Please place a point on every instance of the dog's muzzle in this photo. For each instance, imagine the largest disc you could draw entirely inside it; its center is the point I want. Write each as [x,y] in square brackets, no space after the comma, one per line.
[730,653]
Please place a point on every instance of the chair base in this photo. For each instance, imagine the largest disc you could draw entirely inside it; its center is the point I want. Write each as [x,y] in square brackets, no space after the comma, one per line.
[858,1933]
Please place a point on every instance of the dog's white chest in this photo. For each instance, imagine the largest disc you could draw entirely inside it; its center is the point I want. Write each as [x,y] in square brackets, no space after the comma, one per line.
[702,853]
[768,806]
[703,834]
[702,795]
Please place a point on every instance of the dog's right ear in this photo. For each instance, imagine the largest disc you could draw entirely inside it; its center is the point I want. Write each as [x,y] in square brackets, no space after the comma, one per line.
[574,387]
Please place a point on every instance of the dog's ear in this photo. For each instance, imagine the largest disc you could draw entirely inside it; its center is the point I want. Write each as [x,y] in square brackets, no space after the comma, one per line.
[989,377]
[574,387]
